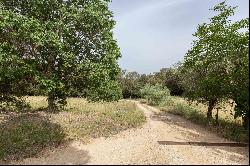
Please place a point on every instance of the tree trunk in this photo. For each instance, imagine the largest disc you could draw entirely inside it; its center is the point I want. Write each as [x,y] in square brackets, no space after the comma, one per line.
[211,105]
[51,102]
[217,117]
[245,122]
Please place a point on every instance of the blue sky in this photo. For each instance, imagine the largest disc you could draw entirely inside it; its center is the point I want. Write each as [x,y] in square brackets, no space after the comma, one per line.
[153,34]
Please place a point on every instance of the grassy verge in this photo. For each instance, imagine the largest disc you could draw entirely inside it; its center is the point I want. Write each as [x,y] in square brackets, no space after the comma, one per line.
[227,126]
[27,134]
[84,121]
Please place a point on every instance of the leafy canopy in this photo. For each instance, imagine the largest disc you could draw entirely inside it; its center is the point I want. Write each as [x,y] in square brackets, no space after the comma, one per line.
[216,67]
[60,44]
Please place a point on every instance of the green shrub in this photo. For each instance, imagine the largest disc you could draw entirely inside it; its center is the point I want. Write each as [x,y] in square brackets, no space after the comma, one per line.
[155,94]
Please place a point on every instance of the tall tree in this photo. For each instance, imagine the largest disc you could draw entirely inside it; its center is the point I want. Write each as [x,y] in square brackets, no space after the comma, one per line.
[62,44]
[208,66]
[239,70]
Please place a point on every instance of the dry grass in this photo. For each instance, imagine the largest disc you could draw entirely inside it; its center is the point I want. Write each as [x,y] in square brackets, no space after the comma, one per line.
[91,120]
[26,134]
[228,127]
[226,113]
[36,102]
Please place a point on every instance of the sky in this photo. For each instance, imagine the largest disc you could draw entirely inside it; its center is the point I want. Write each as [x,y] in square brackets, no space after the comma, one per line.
[155,34]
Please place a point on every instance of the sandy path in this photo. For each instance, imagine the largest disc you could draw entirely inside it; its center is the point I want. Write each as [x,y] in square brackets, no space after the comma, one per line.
[140,146]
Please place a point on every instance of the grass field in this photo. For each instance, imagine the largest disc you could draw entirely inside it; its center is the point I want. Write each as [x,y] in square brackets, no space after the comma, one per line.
[26,134]
[228,127]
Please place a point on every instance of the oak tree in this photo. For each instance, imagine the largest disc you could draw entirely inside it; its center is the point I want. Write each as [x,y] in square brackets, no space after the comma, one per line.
[61,44]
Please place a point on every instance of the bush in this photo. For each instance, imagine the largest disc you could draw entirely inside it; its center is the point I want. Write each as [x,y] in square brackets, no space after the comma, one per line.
[155,94]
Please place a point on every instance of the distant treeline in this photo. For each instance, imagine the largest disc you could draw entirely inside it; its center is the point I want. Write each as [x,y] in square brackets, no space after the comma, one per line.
[132,82]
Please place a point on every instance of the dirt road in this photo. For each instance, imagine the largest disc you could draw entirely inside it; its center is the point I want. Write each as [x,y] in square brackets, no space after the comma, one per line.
[141,146]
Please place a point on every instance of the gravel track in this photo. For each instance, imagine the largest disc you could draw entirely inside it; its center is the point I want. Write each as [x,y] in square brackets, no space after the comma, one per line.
[140,146]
